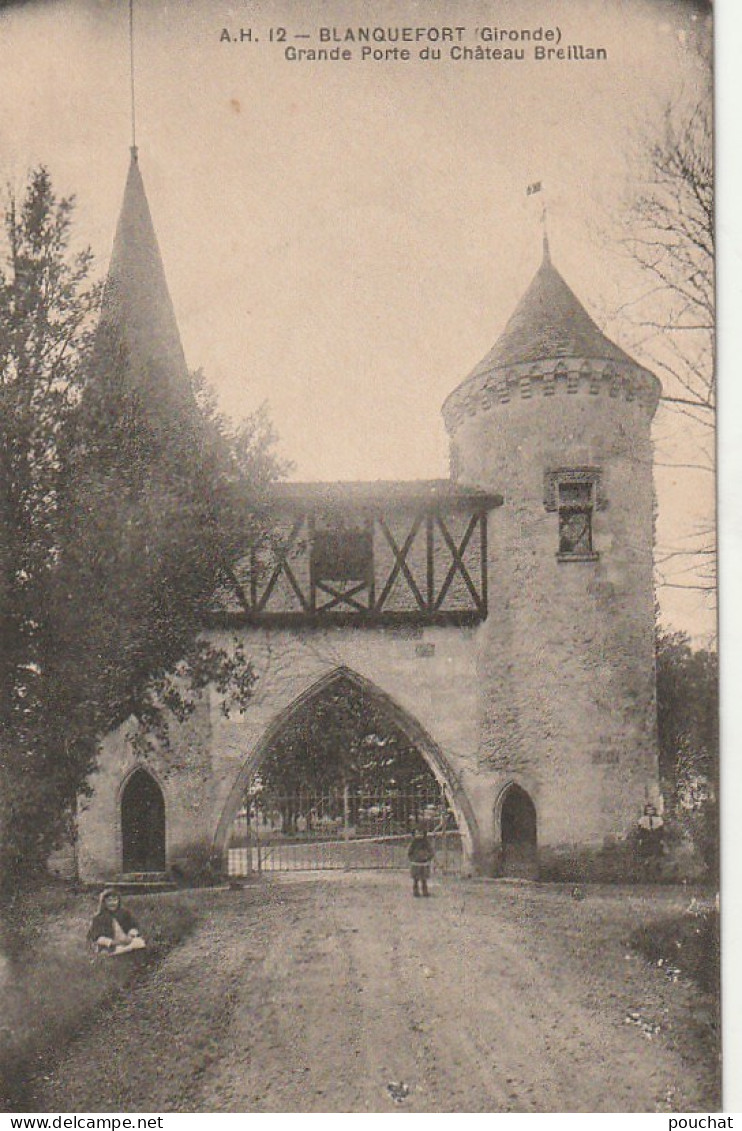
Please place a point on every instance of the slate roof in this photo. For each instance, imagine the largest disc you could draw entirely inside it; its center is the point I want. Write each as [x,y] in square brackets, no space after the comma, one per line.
[381,491]
[549,323]
[137,313]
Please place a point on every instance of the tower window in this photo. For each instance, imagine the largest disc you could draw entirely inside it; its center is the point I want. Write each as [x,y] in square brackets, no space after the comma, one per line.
[575,519]
[575,494]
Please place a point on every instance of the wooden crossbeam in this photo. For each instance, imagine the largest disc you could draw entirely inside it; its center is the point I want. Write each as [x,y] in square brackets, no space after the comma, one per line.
[457,562]
[253,578]
[483,559]
[228,580]
[430,558]
[400,562]
[231,577]
[282,566]
[341,597]
[311,526]
[422,572]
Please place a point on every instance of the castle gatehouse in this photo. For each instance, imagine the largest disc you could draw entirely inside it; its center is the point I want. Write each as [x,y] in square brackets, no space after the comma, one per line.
[501,621]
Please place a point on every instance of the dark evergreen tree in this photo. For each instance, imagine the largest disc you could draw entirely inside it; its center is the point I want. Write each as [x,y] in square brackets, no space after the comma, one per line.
[124,498]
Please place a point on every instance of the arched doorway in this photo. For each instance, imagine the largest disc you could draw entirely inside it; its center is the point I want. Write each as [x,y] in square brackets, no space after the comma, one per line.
[518,834]
[142,824]
[355,802]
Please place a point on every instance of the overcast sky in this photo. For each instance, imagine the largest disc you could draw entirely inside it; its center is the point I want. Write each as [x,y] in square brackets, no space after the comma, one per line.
[347,240]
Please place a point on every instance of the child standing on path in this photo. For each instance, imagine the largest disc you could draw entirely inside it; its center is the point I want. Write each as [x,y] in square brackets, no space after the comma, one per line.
[420,853]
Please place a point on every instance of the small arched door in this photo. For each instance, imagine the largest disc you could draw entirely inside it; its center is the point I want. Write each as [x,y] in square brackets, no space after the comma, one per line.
[143,824]
[518,834]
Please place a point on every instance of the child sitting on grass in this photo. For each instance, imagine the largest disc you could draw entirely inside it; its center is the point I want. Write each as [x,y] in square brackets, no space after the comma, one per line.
[114,930]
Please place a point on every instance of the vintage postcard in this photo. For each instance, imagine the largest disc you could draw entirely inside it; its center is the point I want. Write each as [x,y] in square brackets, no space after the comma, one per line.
[359,689]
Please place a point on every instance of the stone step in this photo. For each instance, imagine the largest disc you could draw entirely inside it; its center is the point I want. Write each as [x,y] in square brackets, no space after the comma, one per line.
[141,883]
[142,877]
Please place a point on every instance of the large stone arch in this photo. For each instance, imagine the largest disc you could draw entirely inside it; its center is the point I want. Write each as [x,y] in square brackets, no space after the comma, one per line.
[407,723]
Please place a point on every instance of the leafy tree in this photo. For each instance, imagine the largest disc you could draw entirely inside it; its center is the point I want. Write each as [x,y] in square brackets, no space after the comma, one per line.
[47,305]
[159,499]
[687,704]
[688,724]
[124,499]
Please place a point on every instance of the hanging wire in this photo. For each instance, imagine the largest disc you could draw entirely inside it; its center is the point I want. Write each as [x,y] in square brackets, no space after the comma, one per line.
[131,70]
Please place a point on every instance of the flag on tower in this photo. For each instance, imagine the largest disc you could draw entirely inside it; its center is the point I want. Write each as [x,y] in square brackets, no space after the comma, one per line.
[535,187]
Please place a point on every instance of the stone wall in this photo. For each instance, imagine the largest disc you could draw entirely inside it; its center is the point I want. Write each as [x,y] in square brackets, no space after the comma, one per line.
[427,675]
[566,661]
[554,691]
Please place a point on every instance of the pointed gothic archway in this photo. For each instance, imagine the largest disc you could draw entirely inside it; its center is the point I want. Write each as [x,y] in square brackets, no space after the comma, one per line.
[518,832]
[413,731]
[142,824]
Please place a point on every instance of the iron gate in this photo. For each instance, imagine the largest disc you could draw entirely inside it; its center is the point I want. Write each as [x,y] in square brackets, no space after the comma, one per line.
[342,828]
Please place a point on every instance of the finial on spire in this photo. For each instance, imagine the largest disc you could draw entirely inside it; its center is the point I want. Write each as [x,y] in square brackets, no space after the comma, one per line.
[547,253]
[131,70]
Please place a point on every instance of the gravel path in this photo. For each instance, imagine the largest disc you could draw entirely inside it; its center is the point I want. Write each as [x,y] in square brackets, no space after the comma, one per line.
[340,993]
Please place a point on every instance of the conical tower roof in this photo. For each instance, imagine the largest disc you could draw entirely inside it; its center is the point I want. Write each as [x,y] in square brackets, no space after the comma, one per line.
[548,336]
[549,323]
[137,316]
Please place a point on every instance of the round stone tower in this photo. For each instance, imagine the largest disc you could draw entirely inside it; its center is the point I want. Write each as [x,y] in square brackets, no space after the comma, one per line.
[557,419]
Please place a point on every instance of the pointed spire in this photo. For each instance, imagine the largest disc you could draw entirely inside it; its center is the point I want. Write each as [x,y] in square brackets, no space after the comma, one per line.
[137,316]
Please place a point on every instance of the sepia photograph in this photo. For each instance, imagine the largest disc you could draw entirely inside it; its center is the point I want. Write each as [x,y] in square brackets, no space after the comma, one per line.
[359,709]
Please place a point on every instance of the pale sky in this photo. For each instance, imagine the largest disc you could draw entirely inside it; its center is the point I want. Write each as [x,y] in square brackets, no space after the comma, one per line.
[346,240]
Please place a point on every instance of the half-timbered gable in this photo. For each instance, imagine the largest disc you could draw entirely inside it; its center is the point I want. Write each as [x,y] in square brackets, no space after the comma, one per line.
[366,552]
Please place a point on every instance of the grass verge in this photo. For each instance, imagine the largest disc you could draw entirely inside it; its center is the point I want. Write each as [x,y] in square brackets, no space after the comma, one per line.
[53,987]
[689,941]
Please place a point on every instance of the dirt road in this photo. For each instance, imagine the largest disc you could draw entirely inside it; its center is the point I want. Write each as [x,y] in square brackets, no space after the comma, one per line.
[340,993]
